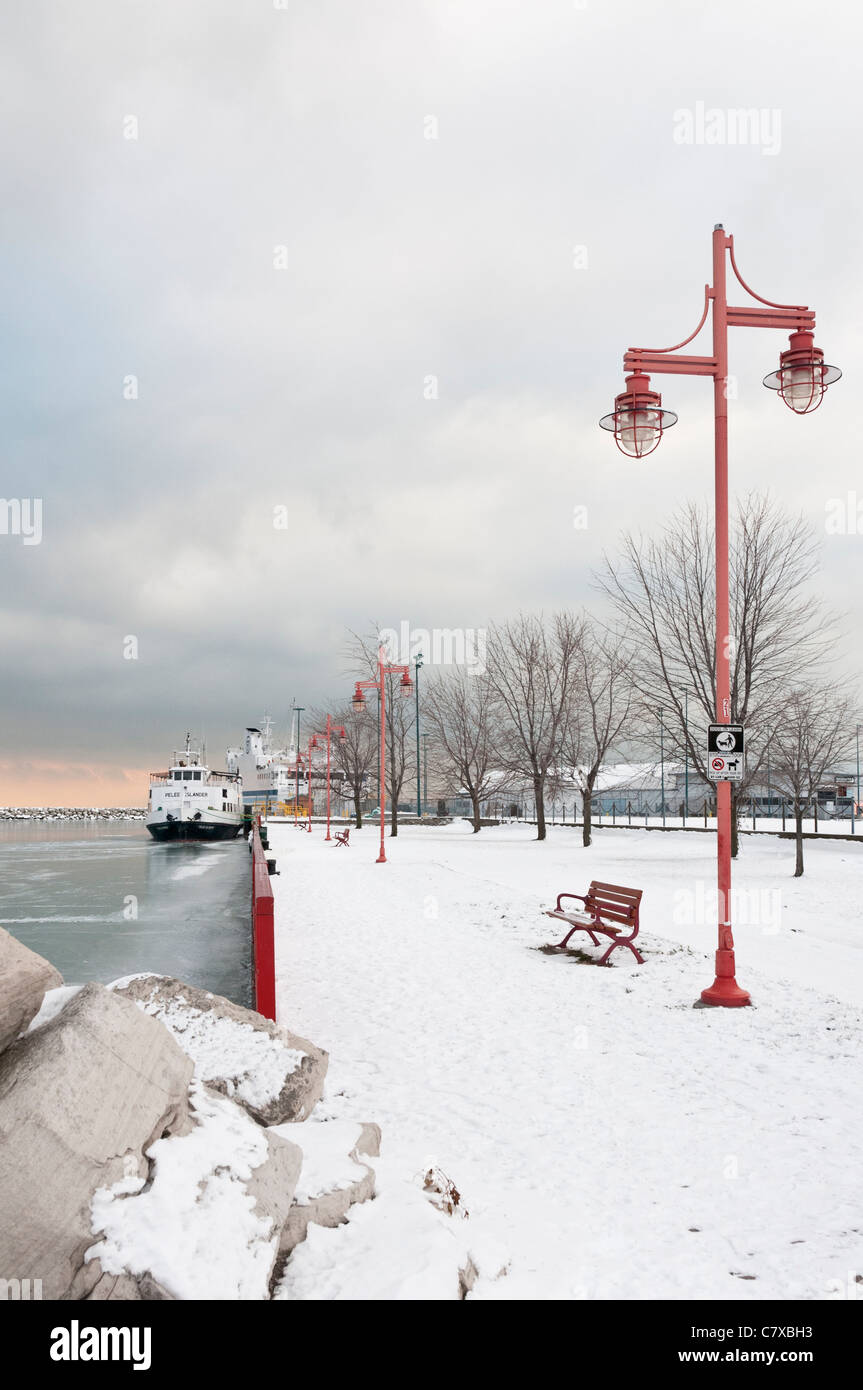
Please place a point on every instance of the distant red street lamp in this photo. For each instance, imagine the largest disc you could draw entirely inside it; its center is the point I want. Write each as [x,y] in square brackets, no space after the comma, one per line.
[358,703]
[327,734]
[313,743]
[638,422]
[297,765]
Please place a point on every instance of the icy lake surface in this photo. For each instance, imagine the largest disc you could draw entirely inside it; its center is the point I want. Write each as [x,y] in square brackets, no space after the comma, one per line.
[104,901]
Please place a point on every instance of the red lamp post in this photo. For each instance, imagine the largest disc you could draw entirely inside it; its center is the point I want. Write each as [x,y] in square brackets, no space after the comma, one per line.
[638,422]
[313,743]
[359,703]
[327,734]
[297,764]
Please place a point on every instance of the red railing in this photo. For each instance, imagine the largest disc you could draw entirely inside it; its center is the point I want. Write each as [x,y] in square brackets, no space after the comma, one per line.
[262,931]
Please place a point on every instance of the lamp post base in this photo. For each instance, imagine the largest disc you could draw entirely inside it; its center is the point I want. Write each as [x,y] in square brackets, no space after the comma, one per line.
[381,859]
[725,991]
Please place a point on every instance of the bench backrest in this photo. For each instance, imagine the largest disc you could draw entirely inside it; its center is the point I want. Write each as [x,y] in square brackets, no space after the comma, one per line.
[614,901]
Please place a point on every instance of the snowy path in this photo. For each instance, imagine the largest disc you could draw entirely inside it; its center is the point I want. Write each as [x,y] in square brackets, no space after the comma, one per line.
[609,1139]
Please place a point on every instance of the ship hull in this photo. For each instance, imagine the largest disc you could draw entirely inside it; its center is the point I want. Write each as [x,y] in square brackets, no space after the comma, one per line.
[193,830]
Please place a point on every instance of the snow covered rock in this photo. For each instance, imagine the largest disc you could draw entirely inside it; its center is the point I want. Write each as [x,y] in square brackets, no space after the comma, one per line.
[81,1099]
[333,1176]
[207,1223]
[24,978]
[275,1075]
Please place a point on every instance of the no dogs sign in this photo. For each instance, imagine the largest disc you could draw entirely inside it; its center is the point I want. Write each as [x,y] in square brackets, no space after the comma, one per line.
[725,752]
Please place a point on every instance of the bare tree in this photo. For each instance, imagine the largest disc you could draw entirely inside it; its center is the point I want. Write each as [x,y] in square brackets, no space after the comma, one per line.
[531,669]
[356,755]
[602,698]
[664,591]
[812,734]
[362,652]
[462,711]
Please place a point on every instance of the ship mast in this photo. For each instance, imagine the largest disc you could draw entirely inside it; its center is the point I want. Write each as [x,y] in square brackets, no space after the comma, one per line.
[266,728]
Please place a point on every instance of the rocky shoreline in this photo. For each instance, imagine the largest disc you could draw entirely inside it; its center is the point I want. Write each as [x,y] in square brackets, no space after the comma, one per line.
[160,1142]
[72,813]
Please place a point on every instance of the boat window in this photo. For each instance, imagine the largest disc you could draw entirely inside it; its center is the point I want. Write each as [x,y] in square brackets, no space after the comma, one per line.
[197,776]
[178,776]
[187,776]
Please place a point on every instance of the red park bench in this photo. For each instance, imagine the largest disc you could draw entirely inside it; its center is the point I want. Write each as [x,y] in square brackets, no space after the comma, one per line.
[343,837]
[608,909]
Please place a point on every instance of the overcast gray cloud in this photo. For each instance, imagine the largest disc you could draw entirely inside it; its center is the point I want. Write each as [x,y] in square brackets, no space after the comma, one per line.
[260,384]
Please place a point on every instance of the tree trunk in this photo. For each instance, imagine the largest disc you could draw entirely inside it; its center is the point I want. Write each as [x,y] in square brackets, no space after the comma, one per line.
[587,816]
[477,819]
[538,790]
[798,836]
[394,817]
[358,810]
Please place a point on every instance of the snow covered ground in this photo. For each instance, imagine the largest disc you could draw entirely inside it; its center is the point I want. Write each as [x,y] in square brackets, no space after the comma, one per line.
[607,1138]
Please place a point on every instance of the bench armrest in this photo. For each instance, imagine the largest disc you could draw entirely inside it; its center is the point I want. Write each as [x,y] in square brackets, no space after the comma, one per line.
[561,897]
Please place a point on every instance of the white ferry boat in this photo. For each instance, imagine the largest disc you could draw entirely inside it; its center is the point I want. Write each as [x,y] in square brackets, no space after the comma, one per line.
[268,774]
[189,802]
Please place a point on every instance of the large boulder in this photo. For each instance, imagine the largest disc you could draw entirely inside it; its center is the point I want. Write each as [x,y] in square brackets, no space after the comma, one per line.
[81,1099]
[207,1222]
[24,978]
[277,1076]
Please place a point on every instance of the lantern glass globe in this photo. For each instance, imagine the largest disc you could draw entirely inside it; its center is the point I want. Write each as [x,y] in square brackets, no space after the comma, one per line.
[637,431]
[800,386]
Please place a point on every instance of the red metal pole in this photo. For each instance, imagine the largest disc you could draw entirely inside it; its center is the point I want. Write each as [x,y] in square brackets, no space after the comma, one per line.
[725,989]
[327,836]
[263,943]
[382,858]
[309,776]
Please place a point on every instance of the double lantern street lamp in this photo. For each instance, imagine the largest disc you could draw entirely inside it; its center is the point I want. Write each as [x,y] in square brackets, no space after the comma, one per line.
[418,662]
[313,743]
[638,422]
[298,762]
[327,734]
[358,703]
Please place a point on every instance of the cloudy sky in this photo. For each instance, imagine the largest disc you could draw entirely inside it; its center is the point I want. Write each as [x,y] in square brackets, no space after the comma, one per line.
[376,262]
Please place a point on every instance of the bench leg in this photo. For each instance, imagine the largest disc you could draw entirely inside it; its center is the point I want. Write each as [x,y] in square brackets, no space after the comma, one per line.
[625,942]
[562,944]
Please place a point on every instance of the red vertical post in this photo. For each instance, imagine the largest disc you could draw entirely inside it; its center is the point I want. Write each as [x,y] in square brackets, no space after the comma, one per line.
[382,857]
[725,989]
[309,776]
[263,944]
[327,836]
